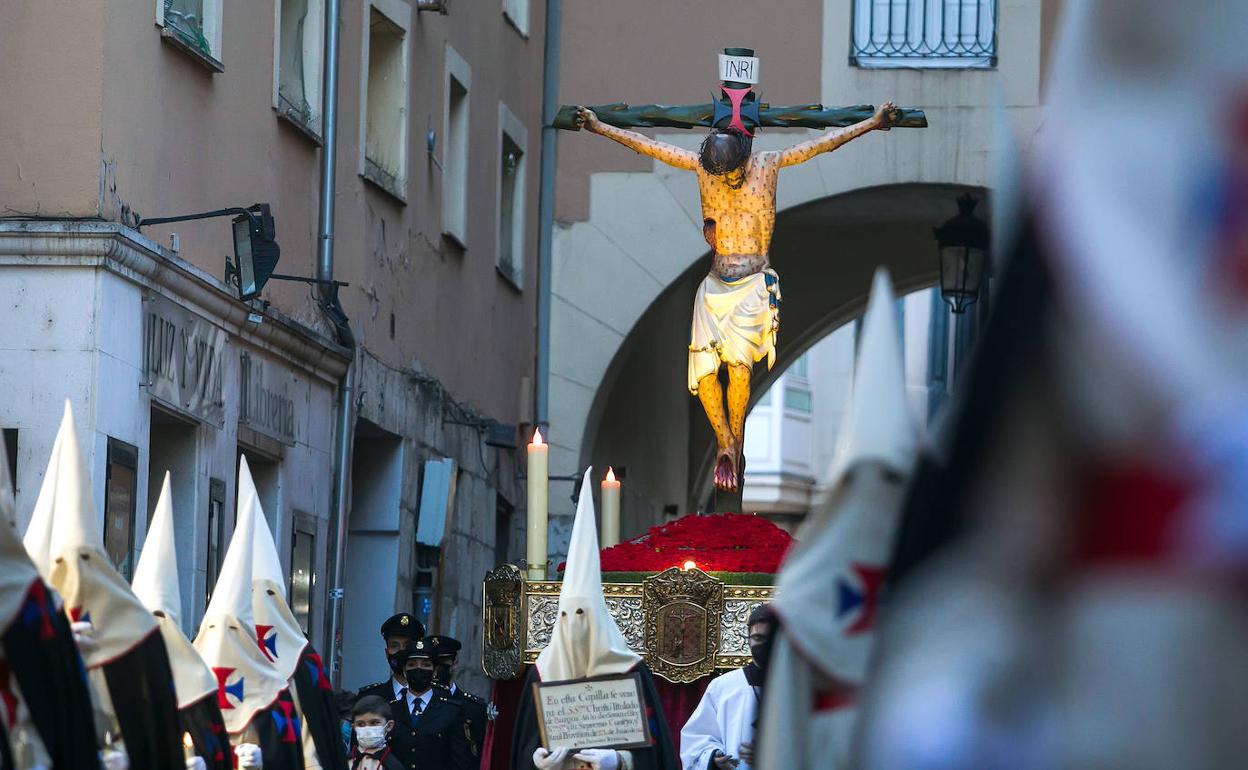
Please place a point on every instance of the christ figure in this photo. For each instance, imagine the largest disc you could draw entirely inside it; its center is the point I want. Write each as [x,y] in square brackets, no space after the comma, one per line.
[736,313]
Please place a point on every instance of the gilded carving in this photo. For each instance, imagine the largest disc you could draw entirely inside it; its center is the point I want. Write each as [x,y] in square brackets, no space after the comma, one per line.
[543,611]
[733,635]
[501,642]
[687,626]
[629,616]
[682,630]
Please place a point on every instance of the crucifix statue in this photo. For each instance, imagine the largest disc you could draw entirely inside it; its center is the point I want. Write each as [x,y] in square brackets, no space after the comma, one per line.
[736,310]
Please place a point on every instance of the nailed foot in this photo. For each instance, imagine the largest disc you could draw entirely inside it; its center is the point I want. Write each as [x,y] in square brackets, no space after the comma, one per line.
[726,471]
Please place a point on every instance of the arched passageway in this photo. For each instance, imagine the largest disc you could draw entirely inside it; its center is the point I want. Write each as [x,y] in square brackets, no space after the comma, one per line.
[825,251]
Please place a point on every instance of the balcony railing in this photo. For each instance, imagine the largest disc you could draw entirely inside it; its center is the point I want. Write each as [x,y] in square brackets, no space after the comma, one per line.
[924,33]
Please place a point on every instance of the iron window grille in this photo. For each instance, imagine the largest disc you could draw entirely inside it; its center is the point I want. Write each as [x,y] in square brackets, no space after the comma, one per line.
[924,33]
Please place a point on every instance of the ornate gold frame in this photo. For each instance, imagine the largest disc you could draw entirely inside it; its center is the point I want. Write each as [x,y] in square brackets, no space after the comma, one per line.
[502,595]
[536,605]
[676,648]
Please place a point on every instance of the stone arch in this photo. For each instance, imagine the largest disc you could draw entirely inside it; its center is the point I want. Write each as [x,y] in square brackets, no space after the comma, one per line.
[619,311]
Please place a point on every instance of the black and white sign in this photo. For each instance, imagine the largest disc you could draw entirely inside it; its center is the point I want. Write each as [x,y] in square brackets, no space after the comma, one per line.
[598,713]
[740,69]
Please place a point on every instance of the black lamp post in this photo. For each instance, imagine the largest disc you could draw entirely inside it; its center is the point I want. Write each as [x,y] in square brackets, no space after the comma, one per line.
[963,245]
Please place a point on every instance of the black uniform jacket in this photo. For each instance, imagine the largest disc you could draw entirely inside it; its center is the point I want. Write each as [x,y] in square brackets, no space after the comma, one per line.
[383,689]
[438,739]
[474,709]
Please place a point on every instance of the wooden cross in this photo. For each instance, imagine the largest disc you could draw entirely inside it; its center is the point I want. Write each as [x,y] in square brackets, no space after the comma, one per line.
[735,63]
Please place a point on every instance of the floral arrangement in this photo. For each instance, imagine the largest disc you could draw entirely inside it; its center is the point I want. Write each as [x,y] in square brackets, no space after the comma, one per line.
[722,542]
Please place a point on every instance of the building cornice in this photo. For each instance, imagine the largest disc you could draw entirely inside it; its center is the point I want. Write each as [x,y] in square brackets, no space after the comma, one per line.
[131,255]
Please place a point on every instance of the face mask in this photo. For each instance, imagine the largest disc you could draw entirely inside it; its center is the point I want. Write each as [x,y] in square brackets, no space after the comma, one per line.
[760,653]
[419,679]
[371,737]
[442,674]
[395,665]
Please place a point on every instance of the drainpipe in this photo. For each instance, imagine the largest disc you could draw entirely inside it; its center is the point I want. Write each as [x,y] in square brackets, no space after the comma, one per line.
[546,209]
[328,301]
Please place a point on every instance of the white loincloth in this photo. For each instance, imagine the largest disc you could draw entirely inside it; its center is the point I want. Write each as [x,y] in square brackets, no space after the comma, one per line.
[733,323]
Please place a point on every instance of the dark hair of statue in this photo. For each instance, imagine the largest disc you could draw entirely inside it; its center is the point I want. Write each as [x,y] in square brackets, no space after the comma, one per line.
[725,150]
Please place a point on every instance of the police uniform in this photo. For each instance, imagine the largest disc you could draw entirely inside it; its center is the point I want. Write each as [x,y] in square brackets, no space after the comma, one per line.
[436,734]
[445,650]
[402,624]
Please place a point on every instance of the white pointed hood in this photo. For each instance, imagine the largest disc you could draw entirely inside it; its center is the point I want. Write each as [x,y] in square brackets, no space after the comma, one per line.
[278,634]
[878,426]
[38,537]
[65,542]
[156,577]
[828,589]
[247,682]
[17,571]
[585,641]
[156,584]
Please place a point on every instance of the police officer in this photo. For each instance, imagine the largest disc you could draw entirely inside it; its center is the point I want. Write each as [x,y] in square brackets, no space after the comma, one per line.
[397,632]
[445,664]
[430,732]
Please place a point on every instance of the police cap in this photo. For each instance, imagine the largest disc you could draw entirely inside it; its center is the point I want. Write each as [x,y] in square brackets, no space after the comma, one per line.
[403,624]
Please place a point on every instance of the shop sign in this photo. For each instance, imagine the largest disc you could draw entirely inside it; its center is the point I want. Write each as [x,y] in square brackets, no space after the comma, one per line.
[268,404]
[183,357]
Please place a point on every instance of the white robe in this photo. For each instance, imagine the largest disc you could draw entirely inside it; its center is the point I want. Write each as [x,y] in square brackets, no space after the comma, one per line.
[723,720]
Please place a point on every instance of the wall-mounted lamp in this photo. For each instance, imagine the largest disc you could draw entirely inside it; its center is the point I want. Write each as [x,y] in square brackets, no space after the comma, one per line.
[256,251]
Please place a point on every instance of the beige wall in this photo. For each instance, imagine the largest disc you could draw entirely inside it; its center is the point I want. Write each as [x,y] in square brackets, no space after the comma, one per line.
[51,70]
[115,122]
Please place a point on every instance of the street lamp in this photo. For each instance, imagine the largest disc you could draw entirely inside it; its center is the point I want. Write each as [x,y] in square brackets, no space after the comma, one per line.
[963,245]
[256,251]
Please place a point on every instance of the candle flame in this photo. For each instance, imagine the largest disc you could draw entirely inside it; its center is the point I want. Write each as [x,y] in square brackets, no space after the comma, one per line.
[690,565]
[610,473]
[187,742]
[537,437]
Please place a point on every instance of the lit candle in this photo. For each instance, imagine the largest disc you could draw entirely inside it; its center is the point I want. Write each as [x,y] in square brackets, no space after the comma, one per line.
[188,746]
[538,480]
[610,509]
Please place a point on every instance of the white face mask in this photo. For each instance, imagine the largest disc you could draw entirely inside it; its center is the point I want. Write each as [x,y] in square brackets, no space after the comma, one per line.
[371,737]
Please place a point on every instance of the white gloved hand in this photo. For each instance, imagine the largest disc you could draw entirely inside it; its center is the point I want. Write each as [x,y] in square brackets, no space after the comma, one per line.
[196,763]
[249,756]
[545,759]
[599,759]
[113,759]
[84,636]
